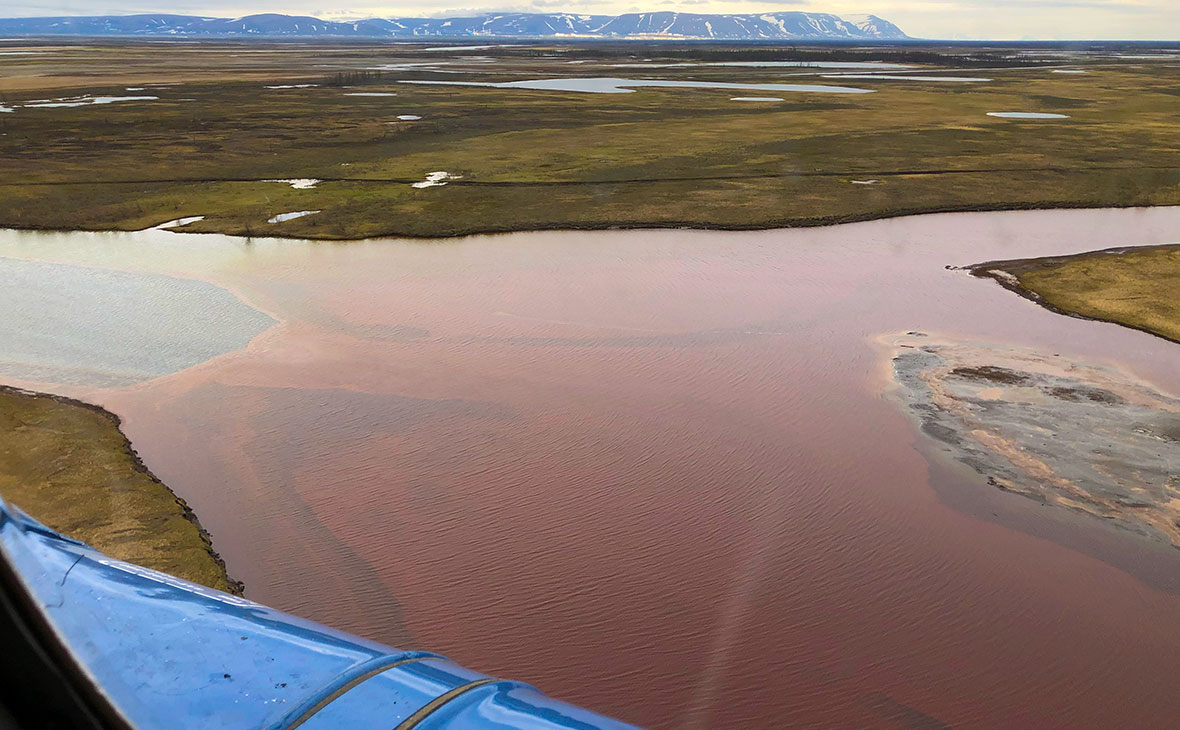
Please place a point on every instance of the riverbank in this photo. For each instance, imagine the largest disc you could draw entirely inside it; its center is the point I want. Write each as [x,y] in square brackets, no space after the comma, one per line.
[68,464]
[1135,287]
[451,228]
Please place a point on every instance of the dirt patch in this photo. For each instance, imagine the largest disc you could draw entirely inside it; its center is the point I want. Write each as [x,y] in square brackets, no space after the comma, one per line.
[1064,433]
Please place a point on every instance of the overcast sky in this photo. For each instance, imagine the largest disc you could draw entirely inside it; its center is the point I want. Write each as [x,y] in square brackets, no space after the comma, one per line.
[983,19]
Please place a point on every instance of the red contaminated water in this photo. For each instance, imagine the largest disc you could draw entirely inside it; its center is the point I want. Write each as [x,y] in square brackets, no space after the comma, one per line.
[655,473]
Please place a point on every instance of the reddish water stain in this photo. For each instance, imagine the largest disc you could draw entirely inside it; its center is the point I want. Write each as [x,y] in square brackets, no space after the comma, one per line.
[654,473]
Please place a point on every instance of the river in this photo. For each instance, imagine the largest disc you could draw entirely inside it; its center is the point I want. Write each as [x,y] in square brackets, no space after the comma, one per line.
[651,472]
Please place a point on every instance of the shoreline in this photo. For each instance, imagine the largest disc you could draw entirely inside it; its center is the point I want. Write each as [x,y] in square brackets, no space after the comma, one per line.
[128,452]
[781,224]
[1090,439]
[1006,273]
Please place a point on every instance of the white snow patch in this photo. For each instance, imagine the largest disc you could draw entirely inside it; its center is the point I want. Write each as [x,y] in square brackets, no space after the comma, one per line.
[408,117]
[434,179]
[1068,71]
[298,183]
[291,216]
[864,182]
[293,86]
[773,21]
[178,223]
[1006,276]
[370,93]
[755,98]
[1027,115]
[85,101]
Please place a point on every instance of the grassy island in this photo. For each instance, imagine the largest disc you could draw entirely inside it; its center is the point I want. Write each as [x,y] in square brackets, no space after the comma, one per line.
[1138,287]
[68,465]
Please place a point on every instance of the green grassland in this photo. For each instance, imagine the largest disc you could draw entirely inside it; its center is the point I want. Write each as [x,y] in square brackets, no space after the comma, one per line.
[1138,287]
[548,159]
[68,465]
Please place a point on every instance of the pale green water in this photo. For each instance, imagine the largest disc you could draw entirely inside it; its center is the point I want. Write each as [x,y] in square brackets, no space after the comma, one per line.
[98,327]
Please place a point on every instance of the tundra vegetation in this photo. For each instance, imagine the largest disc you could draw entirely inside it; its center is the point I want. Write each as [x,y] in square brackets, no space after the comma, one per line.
[532,159]
[1137,287]
[69,466]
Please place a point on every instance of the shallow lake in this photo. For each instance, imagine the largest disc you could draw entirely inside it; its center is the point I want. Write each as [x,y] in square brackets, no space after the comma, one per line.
[909,77]
[654,472]
[776,64]
[611,85]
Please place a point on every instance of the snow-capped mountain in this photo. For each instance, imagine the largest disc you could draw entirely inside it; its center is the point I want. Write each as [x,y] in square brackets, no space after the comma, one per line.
[872,26]
[764,26]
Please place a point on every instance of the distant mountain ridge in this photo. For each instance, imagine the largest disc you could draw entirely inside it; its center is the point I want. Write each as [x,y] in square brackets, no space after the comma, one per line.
[752,26]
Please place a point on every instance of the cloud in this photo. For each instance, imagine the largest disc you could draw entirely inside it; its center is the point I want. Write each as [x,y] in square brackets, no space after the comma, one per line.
[559,6]
[1121,6]
[747,2]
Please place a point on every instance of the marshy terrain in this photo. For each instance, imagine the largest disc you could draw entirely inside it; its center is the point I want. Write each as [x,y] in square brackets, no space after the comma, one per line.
[1134,287]
[110,135]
